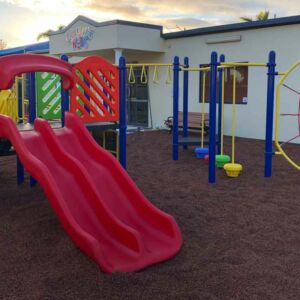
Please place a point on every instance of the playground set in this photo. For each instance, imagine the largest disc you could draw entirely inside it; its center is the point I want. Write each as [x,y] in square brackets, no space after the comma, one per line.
[112,221]
[43,91]
[211,148]
[214,153]
[100,207]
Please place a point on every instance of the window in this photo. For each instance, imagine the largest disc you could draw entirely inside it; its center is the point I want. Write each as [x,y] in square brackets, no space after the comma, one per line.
[241,85]
[137,99]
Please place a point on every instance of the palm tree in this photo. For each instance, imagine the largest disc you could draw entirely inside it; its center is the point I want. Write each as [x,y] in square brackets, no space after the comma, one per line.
[2,44]
[47,33]
[261,16]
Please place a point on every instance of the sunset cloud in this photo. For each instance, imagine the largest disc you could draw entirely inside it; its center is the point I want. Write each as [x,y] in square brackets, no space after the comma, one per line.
[22,20]
[120,8]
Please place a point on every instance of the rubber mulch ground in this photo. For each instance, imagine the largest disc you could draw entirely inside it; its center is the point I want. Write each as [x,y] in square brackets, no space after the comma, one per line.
[241,236]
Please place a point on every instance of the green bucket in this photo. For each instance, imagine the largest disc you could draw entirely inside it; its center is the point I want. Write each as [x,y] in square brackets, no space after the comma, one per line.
[221,160]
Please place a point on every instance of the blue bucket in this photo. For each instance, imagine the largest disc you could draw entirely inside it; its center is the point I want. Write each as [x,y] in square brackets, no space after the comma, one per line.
[201,152]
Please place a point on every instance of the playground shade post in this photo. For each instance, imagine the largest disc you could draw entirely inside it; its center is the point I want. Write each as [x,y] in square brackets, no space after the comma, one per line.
[64,96]
[212,118]
[270,114]
[176,69]
[122,107]
[32,98]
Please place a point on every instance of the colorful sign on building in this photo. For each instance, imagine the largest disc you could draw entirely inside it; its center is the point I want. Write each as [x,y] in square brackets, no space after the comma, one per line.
[80,37]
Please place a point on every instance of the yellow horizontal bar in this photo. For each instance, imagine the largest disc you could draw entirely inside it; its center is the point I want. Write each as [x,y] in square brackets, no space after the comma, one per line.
[148,65]
[196,69]
[225,65]
[278,153]
[281,73]
[235,64]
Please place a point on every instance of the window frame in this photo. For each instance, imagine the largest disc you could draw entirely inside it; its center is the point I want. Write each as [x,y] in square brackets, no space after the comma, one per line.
[239,101]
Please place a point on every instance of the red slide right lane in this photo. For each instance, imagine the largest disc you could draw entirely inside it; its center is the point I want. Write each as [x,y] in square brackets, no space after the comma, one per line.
[158,234]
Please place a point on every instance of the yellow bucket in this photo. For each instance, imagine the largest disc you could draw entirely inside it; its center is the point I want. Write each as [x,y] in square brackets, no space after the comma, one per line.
[233,170]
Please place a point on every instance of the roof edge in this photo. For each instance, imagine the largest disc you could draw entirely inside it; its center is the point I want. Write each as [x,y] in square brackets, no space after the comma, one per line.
[106,23]
[234,27]
[42,47]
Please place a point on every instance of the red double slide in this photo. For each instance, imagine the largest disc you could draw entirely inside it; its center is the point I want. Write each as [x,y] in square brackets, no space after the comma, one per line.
[99,205]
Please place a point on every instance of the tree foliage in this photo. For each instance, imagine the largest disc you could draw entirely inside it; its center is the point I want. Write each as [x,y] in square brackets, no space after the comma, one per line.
[261,16]
[45,35]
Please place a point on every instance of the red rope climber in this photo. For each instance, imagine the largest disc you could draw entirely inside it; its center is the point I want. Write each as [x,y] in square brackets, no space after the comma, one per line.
[293,115]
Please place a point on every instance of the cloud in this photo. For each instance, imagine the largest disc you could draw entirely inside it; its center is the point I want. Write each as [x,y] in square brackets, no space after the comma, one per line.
[187,14]
[183,23]
[194,13]
[171,14]
[49,7]
[123,9]
[175,24]
[11,31]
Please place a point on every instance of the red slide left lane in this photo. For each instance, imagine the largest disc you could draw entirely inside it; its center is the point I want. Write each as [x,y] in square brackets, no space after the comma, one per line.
[113,242]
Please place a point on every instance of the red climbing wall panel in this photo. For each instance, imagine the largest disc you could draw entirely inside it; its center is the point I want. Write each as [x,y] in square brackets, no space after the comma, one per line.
[95,96]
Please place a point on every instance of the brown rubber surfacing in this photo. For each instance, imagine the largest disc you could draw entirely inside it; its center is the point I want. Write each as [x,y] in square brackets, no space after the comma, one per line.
[241,236]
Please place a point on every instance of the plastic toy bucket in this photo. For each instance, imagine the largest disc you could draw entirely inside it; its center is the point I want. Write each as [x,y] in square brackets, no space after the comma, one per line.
[221,160]
[233,170]
[201,152]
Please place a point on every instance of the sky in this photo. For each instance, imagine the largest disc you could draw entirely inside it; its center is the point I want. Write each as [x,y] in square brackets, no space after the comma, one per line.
[22,20]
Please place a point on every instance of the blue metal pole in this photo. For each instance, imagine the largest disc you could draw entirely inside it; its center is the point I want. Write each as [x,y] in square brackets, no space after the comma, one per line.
[32,182]
[122,104]
[222,59]
[64,96]
[20,172]
[212,118]
[270,114]
[185,100]
[175,107]
[32,98]
[32,117]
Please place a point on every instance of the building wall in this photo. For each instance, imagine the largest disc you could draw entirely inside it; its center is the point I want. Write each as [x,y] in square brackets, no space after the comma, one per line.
[108,37]
[253,47]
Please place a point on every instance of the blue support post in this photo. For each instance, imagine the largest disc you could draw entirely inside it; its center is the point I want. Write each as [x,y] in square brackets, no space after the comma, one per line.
[32,98]
[175,107]
[185,100]
[64,96]
[32,115]
[33,182]
[220,71]
[270,114]
[122,123]
[212,118]
[20,172]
